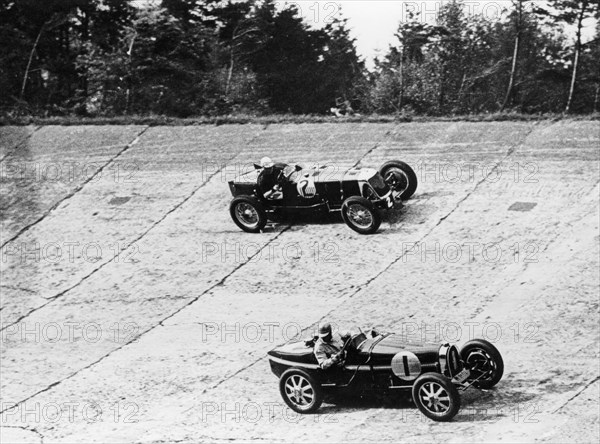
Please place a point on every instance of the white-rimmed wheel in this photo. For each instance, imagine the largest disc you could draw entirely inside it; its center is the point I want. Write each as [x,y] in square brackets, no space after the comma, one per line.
[360,215]
[484,361]
[436,397]
[300,391]
[400,177]
[248,213]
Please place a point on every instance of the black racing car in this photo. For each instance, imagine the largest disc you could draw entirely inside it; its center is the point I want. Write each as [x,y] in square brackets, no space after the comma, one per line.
[358,193]
[384,363]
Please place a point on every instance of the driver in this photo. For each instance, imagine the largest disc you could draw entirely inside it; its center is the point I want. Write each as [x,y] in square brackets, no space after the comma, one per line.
[270,178]
[328,348]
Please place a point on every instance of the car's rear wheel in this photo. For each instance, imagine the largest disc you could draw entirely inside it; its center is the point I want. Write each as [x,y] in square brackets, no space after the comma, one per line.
[400,177]
[436,397]
[248,213]
[360,215]
[300,391]
[484,361]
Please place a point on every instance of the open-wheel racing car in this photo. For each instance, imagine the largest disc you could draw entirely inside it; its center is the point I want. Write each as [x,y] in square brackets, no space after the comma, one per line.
[358,193]
[375,363]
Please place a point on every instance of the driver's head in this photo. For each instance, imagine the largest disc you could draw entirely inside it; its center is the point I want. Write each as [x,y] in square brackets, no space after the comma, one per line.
[325,331]
[266,162]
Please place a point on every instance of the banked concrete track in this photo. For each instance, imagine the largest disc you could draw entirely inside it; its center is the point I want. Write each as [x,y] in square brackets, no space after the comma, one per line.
[134,310]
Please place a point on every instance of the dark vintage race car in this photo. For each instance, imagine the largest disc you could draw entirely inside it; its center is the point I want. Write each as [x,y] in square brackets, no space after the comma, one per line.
[434,374]
[358,193]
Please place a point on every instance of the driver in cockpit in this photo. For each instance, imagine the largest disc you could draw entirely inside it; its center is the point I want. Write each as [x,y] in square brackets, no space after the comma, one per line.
[328,348]
[271,178]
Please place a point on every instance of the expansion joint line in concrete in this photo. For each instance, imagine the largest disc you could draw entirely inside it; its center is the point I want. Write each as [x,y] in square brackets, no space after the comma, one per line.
[20,144]
[160,323]
[11,287]
[101,266]
[579,392]
[373,148]
[510,151]
[76,190]
[149,329]
[32,430]
[360,288]
[58,295]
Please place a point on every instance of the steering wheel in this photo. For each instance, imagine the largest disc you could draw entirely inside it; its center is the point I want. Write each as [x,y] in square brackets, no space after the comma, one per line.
[348,341]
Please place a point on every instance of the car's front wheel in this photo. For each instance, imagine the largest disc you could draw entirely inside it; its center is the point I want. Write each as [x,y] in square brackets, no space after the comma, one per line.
[248,213]
[400,177]
[484,361]
[360,215]
[300,391]
[436,397]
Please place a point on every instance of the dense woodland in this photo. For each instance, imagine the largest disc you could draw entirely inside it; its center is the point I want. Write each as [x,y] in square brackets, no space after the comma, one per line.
[185,58]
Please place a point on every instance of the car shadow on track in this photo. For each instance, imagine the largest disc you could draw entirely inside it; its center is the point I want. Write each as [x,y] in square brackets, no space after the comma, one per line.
[390,219]
[302,220]
[476,406]
[342,402]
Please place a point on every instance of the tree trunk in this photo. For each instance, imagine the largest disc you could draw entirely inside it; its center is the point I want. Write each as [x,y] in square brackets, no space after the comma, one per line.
[576,61]
[515,57]
[230,72]
[67,50]
[512,75]
[441,95]
[401,78]
[85,35]
[128,93]
[573,77]
[26,76]
[461,90]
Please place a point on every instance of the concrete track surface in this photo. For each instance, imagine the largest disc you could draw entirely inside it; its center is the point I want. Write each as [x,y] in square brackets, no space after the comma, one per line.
[134,310]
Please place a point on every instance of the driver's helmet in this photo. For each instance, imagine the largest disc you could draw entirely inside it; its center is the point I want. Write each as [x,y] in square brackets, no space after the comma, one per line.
[324,330]
[266,162]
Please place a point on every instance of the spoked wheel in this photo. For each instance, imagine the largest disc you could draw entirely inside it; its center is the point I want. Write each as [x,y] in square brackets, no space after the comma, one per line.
[484,361]
[436,397]
[400,177]
[360,215]
[300,391]
[248,213]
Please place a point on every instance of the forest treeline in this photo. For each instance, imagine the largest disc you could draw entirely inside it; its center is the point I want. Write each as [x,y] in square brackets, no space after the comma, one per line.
[185,58]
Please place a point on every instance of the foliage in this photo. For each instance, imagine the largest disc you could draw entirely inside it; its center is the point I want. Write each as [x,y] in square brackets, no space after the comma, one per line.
[185,58]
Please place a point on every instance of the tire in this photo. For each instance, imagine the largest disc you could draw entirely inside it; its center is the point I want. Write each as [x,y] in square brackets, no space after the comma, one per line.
[436,397]
[248,213]
[360,215]
[482,358]
[398,174]
[310,396]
